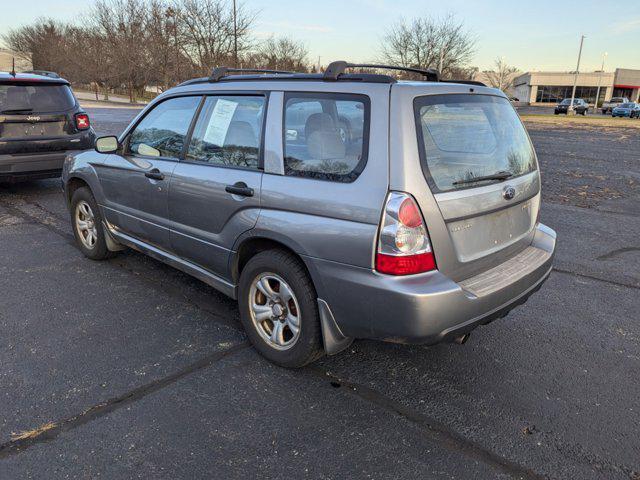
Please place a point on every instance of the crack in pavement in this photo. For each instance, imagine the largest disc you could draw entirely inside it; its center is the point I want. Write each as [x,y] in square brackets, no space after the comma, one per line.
[13,447]
[619,251]
[599,279]
[436,430]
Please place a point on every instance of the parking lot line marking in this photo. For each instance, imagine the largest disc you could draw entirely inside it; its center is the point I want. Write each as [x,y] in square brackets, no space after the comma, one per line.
[20,444]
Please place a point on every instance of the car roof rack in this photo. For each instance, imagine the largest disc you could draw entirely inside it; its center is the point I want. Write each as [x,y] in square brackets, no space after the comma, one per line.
[334,72]
[466,82]
[219,73]
[335,69]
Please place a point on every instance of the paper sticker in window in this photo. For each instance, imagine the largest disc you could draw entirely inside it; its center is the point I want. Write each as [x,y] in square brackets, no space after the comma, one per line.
[219,122]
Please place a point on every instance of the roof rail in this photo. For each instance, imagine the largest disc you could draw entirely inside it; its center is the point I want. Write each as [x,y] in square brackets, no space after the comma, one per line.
[220,72]
[335,69]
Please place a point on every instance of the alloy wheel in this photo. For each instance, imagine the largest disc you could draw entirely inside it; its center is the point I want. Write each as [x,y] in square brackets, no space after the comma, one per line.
[86,225]
[274,311]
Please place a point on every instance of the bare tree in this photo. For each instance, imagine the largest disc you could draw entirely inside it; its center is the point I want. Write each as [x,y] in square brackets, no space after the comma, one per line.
[502,76]
[443,44]
[123,25]
[164,48]
[42,43]
[280,54]
[208,32]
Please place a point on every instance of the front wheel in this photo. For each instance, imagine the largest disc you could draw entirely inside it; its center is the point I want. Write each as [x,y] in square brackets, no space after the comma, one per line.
[279,309]
[88,228]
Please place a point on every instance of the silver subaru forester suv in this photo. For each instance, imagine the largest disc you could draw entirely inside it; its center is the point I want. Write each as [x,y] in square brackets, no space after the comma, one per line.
[332,206]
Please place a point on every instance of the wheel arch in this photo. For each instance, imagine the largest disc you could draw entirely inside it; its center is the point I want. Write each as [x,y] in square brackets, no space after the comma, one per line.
[73,184]
[250,244]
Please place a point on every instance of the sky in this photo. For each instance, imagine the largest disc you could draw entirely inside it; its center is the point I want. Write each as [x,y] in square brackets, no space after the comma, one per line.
[531,35]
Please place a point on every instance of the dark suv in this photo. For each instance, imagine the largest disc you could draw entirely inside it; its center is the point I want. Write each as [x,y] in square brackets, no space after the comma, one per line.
[579,106]
[40,123]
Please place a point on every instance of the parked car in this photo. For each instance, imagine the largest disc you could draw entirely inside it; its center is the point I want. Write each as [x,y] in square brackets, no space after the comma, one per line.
[40,123]
[607,107]
[417,231]
[630,109]
[579,106]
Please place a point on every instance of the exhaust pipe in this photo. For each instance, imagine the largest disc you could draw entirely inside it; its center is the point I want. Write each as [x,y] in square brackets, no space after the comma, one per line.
[461,339]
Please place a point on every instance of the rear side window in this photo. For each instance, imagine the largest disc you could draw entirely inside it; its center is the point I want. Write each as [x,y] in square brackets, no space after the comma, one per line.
[228,132]
[162,132]
[464,137]
[326,136]
[42,98]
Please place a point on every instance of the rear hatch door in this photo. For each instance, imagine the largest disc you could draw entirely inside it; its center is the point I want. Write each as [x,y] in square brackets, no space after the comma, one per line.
[36,116]
[479,184]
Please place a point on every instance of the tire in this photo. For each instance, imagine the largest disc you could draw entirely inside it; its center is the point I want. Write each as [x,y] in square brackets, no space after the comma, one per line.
[278,268]
[96,249]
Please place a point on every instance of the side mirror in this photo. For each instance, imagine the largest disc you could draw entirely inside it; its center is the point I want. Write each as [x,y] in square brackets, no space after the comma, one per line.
[107,144]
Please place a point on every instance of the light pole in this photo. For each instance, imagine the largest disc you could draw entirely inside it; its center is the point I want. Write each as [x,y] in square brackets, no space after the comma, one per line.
[575,77]
[235,35]
[600,80]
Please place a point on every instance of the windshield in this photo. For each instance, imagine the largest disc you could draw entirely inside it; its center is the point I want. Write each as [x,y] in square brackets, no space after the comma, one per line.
[464,137]
[625,105]
[617,100]
[40,98]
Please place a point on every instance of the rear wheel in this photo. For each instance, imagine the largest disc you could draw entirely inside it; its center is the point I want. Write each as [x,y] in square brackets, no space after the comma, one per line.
[279,310]
[88,228]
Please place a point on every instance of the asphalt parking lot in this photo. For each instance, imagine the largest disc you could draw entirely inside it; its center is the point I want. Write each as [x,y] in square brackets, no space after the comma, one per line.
[130,369]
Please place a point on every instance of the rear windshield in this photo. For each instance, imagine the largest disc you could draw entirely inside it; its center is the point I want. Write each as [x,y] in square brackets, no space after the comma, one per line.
[23,98]
[464,137]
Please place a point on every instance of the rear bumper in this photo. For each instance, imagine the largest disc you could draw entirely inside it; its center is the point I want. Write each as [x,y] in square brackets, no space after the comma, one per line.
[32,165]
[431,308]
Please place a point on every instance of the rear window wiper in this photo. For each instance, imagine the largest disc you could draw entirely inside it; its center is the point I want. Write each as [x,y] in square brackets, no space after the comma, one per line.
[17,110]
[501,175]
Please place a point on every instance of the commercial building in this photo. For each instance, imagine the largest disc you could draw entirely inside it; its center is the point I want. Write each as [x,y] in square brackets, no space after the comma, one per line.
[542,88]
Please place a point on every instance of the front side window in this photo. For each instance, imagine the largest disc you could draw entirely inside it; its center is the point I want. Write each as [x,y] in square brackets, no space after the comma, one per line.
[228,132]
[465,137]
[162,132]
[326,135]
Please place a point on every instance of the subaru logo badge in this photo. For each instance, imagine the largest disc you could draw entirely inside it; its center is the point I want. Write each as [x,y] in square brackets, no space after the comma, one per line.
[508,193]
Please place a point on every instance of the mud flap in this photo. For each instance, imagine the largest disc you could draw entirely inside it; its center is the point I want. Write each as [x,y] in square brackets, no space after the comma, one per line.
[333,338]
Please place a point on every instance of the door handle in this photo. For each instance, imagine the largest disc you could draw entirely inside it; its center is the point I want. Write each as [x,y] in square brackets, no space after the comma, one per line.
[154,174]
[239,188]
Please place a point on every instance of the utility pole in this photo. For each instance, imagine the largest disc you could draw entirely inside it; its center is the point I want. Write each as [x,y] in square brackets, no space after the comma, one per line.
[575,76]
[600,80]
[235,34]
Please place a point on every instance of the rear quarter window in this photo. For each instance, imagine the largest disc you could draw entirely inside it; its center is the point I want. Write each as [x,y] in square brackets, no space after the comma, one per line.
[464,137]
[326,135]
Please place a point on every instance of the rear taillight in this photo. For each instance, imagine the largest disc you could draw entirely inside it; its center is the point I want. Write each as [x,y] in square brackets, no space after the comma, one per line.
[82,121]
[403,245]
